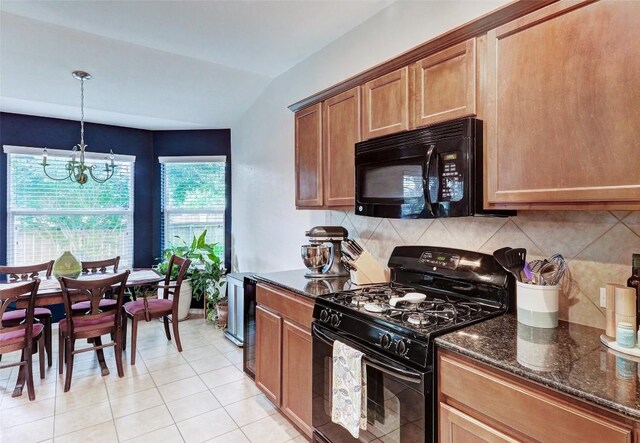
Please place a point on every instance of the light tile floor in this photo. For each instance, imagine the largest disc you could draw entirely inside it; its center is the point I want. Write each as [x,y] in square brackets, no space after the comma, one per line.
[198,395]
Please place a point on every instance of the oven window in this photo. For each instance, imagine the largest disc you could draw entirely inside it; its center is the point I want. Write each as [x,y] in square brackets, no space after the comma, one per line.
[395,409]
[401,181]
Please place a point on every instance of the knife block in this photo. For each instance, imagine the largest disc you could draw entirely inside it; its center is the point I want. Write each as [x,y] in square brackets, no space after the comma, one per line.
[368,270]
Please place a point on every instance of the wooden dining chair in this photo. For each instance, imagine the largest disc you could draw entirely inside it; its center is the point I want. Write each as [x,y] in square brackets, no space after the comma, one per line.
[96,268]
[43,315]
[100,265]
[150,308]
[23,336]
[92,324]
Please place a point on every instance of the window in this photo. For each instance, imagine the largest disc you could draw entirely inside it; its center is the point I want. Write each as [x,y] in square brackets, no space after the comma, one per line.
[194,199]
[47,217]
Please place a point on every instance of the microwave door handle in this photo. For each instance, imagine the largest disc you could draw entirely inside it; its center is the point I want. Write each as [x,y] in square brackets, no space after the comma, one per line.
[427,187]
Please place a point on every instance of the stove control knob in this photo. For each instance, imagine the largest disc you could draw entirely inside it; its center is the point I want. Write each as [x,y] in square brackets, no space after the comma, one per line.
[335,320]
[401,347]
[385,341]
[324,316]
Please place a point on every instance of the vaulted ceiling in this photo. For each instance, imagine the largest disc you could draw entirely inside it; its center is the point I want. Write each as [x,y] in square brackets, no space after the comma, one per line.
[160,64]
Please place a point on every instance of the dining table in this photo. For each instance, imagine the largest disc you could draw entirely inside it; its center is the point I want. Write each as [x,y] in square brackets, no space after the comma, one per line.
[50,293]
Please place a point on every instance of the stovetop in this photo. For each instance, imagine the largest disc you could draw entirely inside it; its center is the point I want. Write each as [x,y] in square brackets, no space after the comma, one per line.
[436,312]
[450,288]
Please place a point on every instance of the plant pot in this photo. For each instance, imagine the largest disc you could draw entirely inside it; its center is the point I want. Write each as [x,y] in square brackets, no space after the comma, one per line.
[184,303]
[223,314]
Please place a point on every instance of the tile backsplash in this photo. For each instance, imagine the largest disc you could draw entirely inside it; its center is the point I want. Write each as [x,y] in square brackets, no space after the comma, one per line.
[597,244]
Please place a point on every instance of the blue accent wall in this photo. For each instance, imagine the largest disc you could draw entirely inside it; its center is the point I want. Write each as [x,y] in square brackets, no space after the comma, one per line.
[26,130]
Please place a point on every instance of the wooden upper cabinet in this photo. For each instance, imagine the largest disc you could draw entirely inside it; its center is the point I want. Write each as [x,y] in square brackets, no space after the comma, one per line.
[341,115]
[561,110]
[445,84]
[308,145]
[385,104]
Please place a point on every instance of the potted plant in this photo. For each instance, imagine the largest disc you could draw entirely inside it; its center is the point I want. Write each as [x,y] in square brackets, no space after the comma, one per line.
[216,305]
[202,277]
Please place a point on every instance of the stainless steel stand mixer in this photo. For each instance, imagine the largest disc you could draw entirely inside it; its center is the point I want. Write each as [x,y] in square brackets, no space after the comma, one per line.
[323,260]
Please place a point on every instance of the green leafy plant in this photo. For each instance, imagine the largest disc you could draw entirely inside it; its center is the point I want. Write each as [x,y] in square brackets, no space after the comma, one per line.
[206,268]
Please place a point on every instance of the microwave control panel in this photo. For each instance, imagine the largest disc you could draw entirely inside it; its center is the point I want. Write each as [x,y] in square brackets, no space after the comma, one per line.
[451,187]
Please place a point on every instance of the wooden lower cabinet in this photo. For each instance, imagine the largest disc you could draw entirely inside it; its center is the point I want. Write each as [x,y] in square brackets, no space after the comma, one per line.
[296,374]
[478,403]
[268,350]
[458,427]
[283,352]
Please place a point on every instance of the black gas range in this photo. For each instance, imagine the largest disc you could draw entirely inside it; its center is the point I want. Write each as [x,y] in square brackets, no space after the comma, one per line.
[433,291]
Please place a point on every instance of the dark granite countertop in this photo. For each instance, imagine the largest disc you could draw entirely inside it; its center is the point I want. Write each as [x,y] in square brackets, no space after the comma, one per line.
[569,359]
[295,281]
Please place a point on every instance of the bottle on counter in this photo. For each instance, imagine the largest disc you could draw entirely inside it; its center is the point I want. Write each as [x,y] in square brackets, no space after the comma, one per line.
[625,336]
[634,280]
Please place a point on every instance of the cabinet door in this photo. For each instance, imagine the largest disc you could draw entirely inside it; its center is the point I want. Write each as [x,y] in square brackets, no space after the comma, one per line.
[308,130]
[563,87]
[457,427]
[445,84]
[385,104]
[268,353]
[296,375]
[341,133]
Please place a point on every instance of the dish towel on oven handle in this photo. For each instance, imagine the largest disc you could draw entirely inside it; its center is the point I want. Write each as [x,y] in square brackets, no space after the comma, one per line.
[349,389]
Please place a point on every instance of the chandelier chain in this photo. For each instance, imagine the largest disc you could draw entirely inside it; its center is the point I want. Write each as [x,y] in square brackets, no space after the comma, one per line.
[82,112]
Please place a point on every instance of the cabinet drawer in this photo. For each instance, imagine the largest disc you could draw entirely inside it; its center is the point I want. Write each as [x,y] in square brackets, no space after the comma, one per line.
[536,414]
[289,305]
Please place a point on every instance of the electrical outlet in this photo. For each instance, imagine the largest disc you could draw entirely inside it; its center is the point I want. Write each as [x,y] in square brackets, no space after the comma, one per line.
[603,298]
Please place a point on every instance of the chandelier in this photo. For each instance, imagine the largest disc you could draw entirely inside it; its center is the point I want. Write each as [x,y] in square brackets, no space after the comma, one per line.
[77,170]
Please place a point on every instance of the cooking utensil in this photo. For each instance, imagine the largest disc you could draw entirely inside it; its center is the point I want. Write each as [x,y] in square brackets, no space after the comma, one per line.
[315,257]
[515,260]
[500,256]
[548,273]
[563,267]
[409,297]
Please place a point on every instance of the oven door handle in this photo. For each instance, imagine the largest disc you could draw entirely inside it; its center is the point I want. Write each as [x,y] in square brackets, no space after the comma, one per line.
[402,374]
[427,186]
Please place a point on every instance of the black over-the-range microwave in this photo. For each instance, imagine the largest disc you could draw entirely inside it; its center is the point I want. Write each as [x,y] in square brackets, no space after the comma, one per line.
[431,172]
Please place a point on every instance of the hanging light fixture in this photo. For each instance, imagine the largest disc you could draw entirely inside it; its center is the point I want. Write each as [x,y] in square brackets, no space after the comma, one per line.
[77,170]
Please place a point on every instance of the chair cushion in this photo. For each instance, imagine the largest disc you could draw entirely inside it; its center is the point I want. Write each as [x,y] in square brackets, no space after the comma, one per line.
[155,306]
[14,318]
[20,314]
[13,337]
[90,324]
[106,303]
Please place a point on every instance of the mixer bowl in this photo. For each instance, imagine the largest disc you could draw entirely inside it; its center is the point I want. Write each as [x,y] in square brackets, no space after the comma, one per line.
[315,257]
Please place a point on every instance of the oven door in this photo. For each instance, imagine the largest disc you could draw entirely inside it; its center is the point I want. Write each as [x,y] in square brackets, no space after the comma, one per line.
[397,396]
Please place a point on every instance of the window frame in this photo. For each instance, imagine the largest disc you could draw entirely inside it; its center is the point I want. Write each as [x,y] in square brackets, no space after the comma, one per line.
[11,213]
[224,213]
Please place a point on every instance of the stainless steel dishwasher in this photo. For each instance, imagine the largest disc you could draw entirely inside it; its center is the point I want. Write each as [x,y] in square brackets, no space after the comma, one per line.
[235,295]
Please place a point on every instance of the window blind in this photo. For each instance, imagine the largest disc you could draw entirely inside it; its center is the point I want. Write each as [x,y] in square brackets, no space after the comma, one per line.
[194,199]
[47,217]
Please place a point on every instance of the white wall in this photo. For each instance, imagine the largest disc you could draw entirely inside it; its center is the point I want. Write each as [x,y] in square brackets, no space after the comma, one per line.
[267,230]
